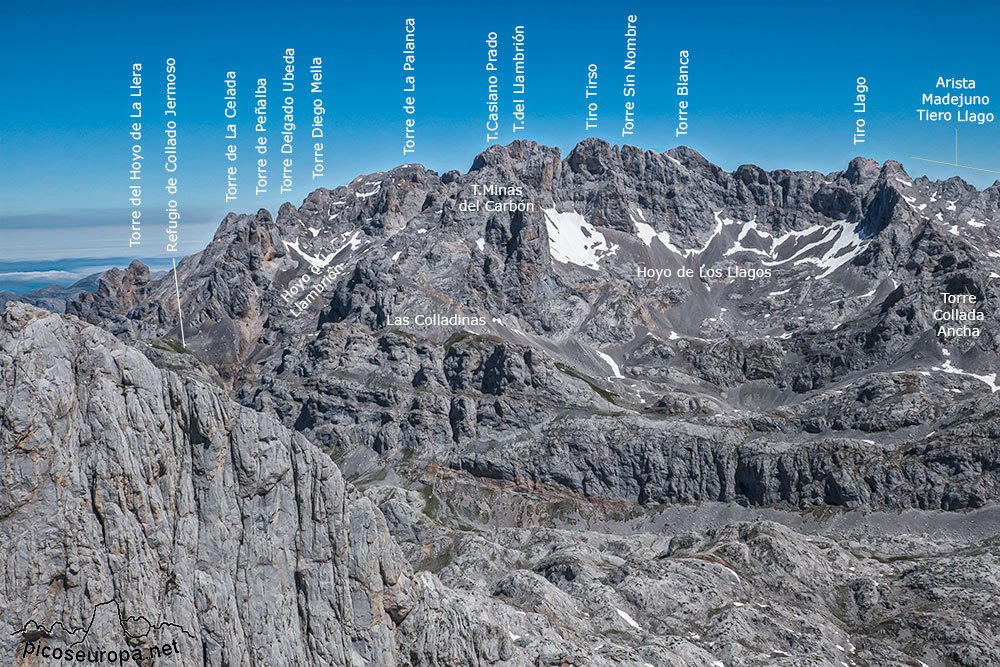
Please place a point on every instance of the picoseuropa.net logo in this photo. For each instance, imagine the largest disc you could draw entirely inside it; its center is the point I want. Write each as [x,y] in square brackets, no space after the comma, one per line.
[98,655]
[139,642]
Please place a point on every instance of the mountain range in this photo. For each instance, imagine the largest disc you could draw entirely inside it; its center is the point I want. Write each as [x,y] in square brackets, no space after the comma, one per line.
[637,410]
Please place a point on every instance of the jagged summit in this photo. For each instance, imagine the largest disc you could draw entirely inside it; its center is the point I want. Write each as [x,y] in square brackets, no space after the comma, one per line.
[596,158]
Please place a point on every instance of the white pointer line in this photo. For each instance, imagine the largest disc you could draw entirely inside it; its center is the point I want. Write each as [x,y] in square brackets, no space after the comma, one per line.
[177,291]
[952,164]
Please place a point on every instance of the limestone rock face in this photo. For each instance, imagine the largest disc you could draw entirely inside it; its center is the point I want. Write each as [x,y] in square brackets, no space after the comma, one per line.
[125,483]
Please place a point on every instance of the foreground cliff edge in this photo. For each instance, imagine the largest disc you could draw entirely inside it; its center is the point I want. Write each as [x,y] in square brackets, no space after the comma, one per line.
[122,482]
[511,455]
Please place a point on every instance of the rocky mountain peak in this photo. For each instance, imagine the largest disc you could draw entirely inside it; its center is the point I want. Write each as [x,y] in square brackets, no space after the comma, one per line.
[118,292]
[594,156]
[521,160]
[862,171]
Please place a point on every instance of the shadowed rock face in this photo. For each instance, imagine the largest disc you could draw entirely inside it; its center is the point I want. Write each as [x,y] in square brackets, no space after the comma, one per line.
[581,386]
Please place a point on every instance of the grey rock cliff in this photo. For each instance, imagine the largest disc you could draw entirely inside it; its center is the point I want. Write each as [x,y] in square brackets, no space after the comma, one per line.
[122,482]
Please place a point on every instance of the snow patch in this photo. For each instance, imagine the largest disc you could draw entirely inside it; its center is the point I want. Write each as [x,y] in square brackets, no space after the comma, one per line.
[647,234]
[498,320]
[481,244]
[990,379]
[365,195]
[719,223]
[321,261]
[573,240]
[610,362]
[628,619]
[741,248]
[846,246]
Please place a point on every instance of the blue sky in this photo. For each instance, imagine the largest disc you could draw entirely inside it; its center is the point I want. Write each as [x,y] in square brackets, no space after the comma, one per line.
[773,86]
